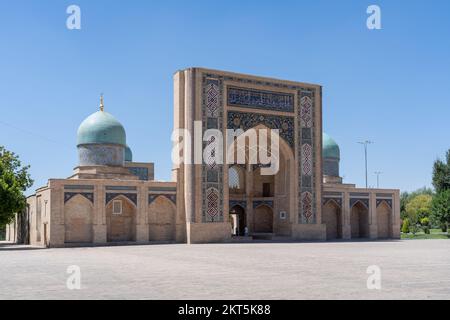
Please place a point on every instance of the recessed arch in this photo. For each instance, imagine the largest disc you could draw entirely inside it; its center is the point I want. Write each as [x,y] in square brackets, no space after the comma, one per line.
[332,218]
[78,218]
[359,220]
[121,227]
[384,218]
[162,219]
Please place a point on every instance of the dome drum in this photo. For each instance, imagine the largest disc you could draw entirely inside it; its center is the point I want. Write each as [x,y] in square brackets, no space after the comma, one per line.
[101,155]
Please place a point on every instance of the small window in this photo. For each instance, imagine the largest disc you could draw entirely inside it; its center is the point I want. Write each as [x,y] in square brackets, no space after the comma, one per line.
[283,215]
[117,207]
[266,190]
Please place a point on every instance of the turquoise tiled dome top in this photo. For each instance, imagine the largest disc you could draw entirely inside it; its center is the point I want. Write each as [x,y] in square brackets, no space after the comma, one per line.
[101,128]
[128,154]
[330,148]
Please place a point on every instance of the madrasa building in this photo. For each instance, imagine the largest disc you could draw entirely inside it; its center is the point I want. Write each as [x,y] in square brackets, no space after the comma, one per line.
[110,199]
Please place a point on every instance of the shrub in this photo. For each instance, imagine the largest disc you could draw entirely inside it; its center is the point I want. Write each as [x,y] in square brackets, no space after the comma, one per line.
[425,222]
[405,226]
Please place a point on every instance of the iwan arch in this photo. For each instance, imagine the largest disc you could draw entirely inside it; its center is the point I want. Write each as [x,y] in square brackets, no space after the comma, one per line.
[110,199]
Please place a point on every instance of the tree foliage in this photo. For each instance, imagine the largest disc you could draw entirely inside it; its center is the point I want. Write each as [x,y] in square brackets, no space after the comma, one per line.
[417,209]
[14,180]
[441,174]
[406,197]
[440,209]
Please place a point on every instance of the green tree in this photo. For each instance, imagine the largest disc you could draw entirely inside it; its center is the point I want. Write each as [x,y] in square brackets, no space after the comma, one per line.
[418,208]
[441,174]
[406,197]
[14,180]
[440,209]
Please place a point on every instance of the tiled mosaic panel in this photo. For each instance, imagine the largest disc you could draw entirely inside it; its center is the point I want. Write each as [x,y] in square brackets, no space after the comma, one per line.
[260,99]
[306,155]
[243,120]
[212,173]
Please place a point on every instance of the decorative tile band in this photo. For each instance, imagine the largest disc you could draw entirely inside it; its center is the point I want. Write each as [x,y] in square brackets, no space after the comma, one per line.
[306,156]
[116,188]
[131,196]
[70,195]
[364,201]
[141,172]
[338,201]
[241,203]
[387,201]
[260,99]
[171,197]
[78,187]
[162,189]
[212,173]
[258,203]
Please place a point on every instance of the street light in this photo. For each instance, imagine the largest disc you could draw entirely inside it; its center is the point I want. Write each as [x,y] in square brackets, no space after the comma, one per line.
[378,178]
[365,144]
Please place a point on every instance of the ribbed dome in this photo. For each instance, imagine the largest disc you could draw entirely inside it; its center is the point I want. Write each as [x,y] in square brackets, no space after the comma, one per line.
[101,128]
[128,154]
[330,148]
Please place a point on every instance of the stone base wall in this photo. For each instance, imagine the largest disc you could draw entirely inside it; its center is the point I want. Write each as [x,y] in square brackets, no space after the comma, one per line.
[313,232]
[208,232]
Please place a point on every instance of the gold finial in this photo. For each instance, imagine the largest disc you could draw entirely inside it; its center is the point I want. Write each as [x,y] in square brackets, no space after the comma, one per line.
[102,106]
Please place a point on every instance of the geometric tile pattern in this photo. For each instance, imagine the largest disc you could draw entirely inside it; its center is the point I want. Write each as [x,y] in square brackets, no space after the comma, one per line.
[306,181]
[338,201]
[306,159]
[241,203]
[247,120]
[387,201]
[212,203]
[258,203]
[171,197]
[70,195]
[212,172]
[363,201]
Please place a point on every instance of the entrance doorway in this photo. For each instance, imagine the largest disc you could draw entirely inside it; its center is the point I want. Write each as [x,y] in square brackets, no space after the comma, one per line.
[238,221]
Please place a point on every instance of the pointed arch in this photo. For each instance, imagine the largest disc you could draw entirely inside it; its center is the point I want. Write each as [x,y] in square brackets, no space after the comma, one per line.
[332,218]
[162,219]
[121,227]
[384,218]
[78,219]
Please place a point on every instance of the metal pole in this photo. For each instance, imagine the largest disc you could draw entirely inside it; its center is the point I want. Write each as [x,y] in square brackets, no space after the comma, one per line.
[378,178]
[365,156]
[365,143]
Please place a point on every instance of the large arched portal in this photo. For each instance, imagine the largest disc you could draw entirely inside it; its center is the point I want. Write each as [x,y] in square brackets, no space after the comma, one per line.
[121,220]
[331,216]
[359,221]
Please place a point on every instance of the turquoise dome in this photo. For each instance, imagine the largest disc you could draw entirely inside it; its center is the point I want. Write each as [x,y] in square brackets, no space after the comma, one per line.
[101,128]
[330,148]
[128,154]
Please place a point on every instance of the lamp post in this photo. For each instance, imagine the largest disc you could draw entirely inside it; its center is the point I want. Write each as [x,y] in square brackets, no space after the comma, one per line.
[365,144]
[378,178]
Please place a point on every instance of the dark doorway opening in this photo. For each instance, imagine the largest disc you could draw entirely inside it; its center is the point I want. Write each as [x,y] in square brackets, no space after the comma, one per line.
[238,221]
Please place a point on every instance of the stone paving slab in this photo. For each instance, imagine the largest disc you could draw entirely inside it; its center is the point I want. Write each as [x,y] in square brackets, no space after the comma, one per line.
[414,269]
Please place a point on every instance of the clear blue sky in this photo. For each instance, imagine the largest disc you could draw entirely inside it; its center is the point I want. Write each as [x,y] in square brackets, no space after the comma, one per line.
[391,86]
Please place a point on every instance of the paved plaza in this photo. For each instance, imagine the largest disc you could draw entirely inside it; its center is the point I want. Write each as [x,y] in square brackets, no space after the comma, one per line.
[415,269]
